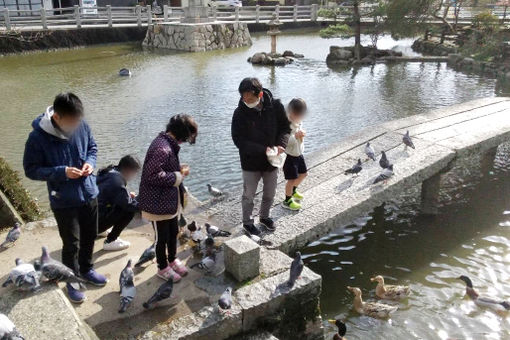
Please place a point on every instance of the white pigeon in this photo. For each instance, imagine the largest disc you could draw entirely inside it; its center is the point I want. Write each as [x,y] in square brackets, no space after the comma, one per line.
[23,276]
[369,151]
[7,329]
[215,192]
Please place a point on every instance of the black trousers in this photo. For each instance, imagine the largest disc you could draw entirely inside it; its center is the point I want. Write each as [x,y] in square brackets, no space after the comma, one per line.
[78,230]
[166,239]
[117,218]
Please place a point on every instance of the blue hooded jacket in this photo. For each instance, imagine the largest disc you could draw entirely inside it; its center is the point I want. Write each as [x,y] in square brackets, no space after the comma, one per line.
[47,154]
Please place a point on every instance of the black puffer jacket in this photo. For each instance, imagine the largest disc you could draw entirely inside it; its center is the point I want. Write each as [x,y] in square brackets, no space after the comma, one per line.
[253,131]
[113,192]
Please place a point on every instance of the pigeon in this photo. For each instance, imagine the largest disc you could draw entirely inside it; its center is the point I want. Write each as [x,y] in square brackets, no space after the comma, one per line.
[23,276]
[341,329]
[7,329]
[12,235]
[215,231]
[385,174]
[127,287]
[124,72]
[407,141]
[369,151]
[296,268]
[225,300]
[182,221]
[356,168]
[207,264]
[260,241]
[54,270]
[215,192]
[384,162]
[164,291]
[193,227]
[148,255]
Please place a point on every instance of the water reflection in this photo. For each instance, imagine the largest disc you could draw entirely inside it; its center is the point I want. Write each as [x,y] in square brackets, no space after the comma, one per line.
[428,254]
[126,113]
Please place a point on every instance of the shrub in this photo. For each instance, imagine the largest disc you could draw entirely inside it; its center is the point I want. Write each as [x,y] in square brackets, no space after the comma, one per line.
[10,184]
[335,31]
[486,22]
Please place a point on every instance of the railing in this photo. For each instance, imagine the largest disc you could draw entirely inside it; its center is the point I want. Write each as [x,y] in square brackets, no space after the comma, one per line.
[108,16]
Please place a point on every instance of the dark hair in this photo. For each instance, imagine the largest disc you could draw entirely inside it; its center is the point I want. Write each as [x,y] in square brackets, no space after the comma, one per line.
[252,85]
[297,105]
[68,104]
[127,162]
[183,127]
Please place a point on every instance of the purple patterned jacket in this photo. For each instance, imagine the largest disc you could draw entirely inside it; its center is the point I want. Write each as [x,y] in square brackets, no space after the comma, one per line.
[158,193]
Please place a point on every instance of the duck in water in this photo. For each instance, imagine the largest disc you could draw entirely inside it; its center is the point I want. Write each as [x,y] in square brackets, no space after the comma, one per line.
[484,301]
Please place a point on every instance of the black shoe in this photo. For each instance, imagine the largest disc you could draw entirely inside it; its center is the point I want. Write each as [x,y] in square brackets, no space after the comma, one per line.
[268,224]
[251,229]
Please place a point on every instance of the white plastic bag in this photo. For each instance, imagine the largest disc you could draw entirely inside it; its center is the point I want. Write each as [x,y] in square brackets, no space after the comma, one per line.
[275,159]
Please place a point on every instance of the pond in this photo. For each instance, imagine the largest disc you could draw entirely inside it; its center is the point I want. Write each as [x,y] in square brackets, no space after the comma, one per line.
[126,113]
[469,236]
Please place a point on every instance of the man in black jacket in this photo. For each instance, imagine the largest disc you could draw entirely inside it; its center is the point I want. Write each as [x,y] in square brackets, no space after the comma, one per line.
[259,123]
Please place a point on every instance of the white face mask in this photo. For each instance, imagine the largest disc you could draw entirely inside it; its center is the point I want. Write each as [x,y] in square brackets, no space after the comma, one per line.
[252,105]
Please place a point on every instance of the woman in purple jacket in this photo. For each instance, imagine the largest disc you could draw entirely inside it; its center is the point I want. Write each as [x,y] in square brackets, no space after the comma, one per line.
[161,194]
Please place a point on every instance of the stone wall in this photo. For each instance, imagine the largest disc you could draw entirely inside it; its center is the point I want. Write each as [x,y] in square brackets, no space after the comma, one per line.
[198,37]
[485,68]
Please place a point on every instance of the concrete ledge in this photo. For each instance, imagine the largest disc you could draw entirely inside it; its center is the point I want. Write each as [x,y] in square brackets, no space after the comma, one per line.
[54,316]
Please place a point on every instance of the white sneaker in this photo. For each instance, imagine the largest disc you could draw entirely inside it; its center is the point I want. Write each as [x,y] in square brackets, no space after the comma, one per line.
[105,233]
[118,244]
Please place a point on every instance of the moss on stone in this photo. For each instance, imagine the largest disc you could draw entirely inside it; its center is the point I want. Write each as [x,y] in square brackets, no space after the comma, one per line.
[10,184]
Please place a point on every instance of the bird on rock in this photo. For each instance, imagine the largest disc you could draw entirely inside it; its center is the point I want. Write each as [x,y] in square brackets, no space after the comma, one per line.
[7,329]
[23,276]
[484,301]
[54,270]
[385,174]
[215,192]
[384,162]
[215,231]
[149,254]
[164,291]
[407,141]
[342,329]
[225,300]
[127,287]
[296,268]
[12,236]
[369,151]
[356,168]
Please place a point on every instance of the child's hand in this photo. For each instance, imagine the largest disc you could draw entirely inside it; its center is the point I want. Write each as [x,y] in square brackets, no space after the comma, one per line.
[300,134]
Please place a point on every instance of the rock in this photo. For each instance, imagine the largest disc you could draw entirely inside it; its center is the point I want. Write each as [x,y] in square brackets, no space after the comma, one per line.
[288,54]
[342,54]
[334,48]
[507,76]
[454,58]
[280,61]
[258,58]
[298,55]
[367,61]
[467,62]
[242,257]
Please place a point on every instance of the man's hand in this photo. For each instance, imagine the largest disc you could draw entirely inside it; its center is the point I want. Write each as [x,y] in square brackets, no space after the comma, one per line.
[73,173]
[87,169]
[280,150]
[300,134]
[132,194]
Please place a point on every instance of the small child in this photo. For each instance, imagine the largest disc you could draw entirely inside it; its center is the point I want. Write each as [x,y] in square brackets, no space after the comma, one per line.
[295,167]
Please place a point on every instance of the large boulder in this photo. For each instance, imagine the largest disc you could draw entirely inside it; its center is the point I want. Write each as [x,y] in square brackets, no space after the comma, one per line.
[288,53]
[258,58]
[454,58]
[367,61]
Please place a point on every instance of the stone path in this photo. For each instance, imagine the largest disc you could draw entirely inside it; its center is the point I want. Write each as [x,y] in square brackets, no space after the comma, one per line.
[333,199]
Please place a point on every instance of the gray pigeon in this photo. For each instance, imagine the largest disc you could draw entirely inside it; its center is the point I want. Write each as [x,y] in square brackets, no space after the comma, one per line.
[127,287]
[12,235]
[54,270]
[23,276]
[296,268]
[385,174]
[407,141]
[149,254]
[384,162]
[215,231]
[225,300]
[7,329]
[369,151]
[182,221]
[215,192]
[164,291]
[207,264]
[356,168]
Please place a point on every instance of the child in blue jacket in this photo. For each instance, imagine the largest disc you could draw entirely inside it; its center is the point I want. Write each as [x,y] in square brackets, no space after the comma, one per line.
[61,151]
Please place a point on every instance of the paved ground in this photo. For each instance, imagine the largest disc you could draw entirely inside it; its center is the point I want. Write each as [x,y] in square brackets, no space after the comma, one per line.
[100,309]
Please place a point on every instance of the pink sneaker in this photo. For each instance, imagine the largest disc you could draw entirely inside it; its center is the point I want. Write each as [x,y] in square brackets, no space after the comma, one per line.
[168,273]
[179,267]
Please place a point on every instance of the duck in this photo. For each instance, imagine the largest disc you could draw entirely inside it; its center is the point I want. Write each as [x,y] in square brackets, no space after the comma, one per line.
[373,309]
[389,292]
[342,329]
[484,301]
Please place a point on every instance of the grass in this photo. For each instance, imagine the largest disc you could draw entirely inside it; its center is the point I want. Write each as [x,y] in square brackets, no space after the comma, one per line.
[10,184]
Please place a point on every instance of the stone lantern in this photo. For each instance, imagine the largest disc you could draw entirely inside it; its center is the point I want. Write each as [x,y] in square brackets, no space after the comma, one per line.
[274,30]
